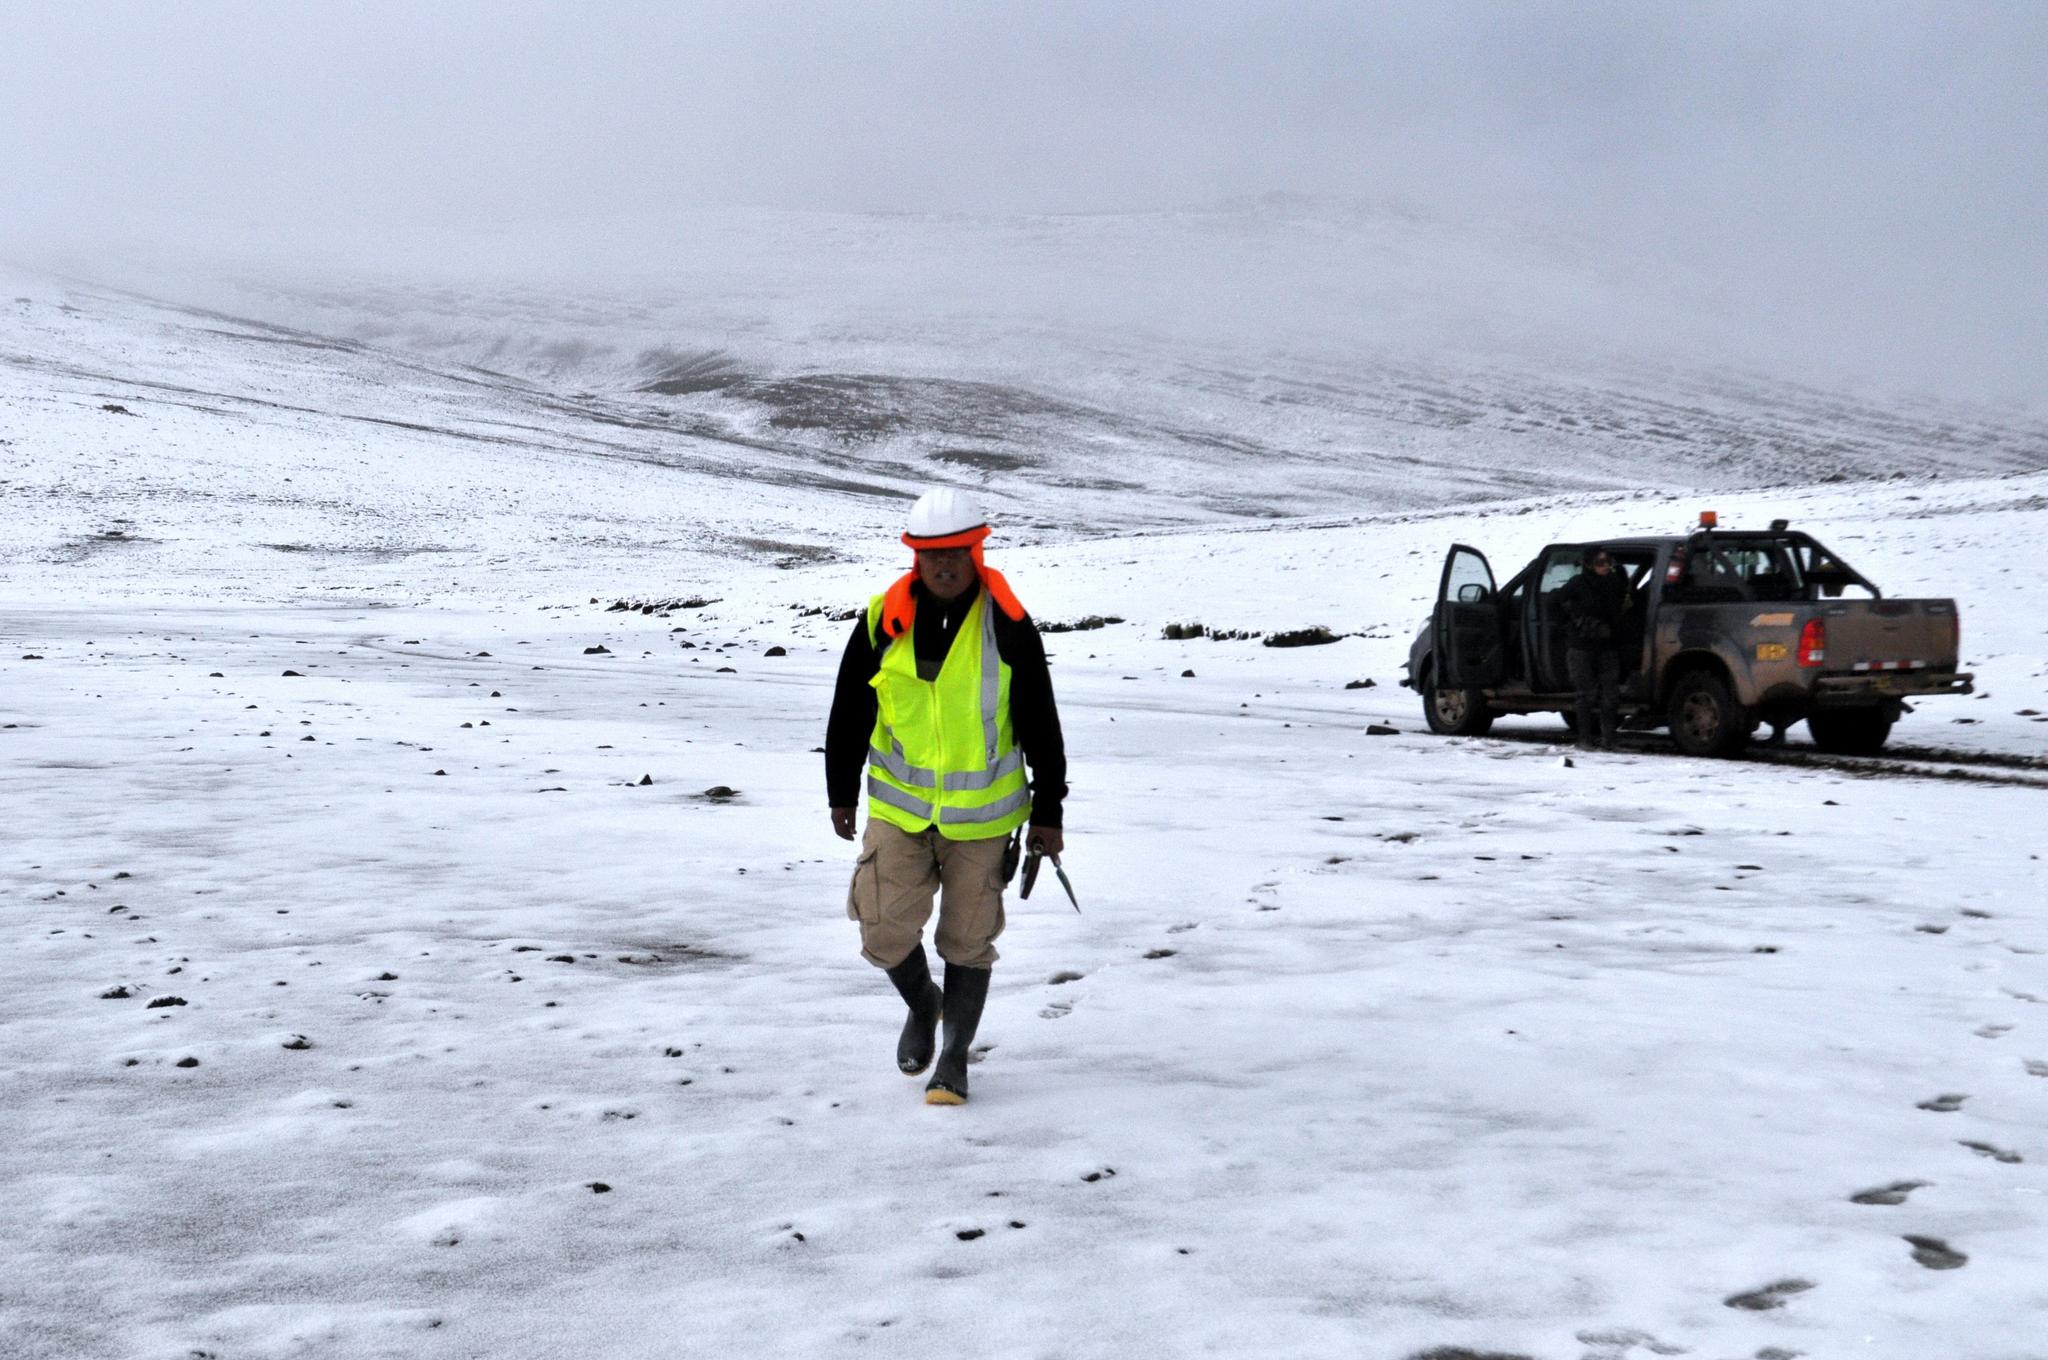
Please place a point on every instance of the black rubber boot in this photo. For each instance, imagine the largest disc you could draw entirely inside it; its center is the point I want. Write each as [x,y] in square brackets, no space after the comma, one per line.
[966,990]
[913,979]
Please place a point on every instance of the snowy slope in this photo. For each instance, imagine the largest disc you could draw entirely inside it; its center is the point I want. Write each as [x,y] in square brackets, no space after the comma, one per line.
[1283,357]
[1375,1045]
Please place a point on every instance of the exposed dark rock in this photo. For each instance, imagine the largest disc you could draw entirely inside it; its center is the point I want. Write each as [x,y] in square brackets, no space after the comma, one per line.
[1316,636]
[1083,625]
[164,1001]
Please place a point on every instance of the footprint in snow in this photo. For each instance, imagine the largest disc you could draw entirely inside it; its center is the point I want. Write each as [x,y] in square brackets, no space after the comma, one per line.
[1769,1297]
[1462,1353]
[1616,1342]
[1936,1254]
[2035,1067]
[1161,953]
[1943,1104]
[1065,975]
[1996,1154]
[1056,1010]
[1895,1193]
[1992,1031]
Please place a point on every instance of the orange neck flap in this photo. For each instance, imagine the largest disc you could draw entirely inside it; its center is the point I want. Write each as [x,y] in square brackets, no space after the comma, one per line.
[899,604]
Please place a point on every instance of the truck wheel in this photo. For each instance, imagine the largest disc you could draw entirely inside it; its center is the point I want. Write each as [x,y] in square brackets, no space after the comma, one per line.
[1705,719]
[1454,712]
[1850,731]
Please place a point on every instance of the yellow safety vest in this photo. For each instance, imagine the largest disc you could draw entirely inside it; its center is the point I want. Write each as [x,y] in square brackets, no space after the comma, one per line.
[943,752]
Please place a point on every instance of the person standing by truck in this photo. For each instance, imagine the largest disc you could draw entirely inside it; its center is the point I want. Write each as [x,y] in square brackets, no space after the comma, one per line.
[1596,603]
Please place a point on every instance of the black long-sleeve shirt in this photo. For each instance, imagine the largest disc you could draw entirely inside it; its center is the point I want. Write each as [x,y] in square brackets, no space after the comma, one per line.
[1596,605]
[1033,716]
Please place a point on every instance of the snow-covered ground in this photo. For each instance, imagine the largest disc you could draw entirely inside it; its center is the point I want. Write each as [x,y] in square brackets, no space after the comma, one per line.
[385,1008]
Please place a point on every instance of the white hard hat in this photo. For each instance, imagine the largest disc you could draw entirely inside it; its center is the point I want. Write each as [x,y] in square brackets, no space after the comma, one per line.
[943,513]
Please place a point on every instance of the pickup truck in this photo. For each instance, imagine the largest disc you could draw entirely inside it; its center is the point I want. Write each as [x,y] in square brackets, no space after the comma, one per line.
[1731,628]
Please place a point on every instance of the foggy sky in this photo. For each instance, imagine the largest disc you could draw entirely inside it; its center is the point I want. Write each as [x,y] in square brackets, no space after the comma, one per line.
[1876,171]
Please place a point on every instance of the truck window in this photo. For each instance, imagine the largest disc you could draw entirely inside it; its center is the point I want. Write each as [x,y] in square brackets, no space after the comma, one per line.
[1823,574]
[1558,568]
[1729,571]
[1765,570]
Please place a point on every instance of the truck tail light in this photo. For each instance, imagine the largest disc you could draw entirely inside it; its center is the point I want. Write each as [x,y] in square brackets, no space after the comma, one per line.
[1813,643]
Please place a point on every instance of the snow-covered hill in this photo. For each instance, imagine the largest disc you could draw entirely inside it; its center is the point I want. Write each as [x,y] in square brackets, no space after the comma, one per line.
[1279,358]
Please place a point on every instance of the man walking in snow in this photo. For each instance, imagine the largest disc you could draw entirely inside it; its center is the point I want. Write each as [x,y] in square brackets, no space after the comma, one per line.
[1595,602]
[945,696]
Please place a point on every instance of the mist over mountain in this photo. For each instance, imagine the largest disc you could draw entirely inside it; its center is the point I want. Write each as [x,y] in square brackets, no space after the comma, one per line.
[1279,356]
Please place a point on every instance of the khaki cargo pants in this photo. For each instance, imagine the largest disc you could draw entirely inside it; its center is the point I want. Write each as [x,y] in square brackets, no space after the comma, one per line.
[893,884]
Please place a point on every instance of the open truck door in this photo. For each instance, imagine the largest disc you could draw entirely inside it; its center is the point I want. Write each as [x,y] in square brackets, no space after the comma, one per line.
[1470,641]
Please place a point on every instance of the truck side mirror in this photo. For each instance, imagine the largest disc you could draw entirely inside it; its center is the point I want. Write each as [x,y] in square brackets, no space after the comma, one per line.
[1472,592]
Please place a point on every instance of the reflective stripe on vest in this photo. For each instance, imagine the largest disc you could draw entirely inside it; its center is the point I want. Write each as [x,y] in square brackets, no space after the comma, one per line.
[980,779]
[892,760]
[991,680]
[1020,801]
[896,798]
[953,721]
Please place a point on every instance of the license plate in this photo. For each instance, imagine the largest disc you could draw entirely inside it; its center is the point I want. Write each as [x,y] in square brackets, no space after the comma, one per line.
[1772,651]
